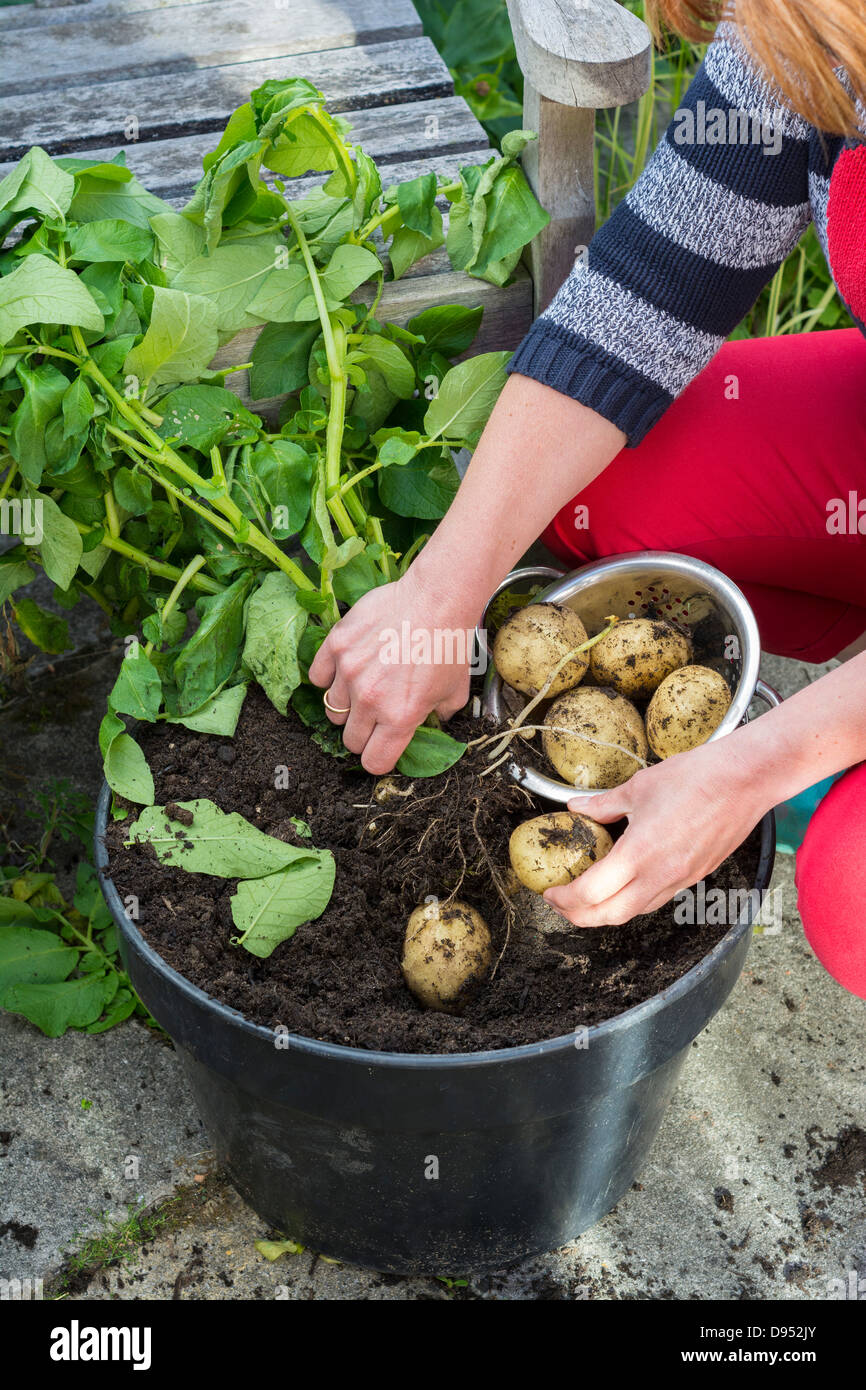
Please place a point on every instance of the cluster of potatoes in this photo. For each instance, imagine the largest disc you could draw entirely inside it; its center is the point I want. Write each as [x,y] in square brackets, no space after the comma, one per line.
[594,734]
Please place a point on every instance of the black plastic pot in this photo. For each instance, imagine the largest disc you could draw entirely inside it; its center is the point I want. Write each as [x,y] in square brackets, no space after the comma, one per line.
[432,1164]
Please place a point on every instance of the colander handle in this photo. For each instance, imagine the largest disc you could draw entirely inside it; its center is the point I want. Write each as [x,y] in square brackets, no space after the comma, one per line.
[765,692]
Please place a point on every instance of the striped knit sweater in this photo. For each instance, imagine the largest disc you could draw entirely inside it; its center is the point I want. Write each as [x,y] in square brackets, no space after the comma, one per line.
[687,253]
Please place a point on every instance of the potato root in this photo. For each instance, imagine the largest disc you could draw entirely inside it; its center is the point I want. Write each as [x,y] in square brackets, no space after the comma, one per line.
[532,643]
[636,655]
[604,742]
[687,708]
[446,952]
[552,850]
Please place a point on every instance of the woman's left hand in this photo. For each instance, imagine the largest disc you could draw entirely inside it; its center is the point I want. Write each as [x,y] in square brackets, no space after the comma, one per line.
[685,815]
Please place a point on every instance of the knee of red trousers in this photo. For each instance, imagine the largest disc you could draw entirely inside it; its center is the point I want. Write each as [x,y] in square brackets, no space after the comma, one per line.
[830,880]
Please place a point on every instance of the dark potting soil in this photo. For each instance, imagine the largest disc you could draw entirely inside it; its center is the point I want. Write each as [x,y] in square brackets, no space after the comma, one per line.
[338,978]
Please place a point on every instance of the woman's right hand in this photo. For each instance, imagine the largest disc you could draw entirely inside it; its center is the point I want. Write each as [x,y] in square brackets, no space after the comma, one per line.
[374,687]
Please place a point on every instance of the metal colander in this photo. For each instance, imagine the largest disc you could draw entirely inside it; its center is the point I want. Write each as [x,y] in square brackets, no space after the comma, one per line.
[694,595]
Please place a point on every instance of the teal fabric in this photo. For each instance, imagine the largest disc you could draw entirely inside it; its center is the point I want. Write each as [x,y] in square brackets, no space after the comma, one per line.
[792,817]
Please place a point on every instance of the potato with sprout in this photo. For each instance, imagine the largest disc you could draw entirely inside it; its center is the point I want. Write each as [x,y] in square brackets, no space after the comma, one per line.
[531,644]
[687,708]
[636,655]
[594,738]
[447,954]
[550,851]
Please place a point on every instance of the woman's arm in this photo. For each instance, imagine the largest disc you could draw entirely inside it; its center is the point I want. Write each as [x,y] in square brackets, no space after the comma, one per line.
[539,449]
[687,814]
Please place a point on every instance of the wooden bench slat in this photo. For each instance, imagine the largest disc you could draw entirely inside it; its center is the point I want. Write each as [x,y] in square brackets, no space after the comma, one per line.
[90,116]
[40,16]
[183,40]
[171,168]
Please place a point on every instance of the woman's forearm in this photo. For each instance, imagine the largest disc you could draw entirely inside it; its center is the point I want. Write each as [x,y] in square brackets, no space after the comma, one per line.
[539,449]
[820,731]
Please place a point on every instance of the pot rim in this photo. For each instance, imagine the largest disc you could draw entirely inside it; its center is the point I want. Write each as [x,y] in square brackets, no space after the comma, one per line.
[427,1060]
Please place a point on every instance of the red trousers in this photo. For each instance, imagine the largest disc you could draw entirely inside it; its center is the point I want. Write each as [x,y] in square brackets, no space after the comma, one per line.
[759,468]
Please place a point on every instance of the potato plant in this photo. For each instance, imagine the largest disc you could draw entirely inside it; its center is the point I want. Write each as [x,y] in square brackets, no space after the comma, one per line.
[155,489]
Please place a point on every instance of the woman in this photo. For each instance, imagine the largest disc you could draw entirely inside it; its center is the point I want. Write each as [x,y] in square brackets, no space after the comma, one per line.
[624,399]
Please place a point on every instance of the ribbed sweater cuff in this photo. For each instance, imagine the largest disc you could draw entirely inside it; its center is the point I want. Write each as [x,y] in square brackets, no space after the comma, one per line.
[586,373]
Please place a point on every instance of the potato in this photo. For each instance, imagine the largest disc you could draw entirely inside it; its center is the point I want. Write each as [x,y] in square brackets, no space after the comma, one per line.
[608,743]
[447,951]
[532,642]
[636,655]
[551,850]
[688,706]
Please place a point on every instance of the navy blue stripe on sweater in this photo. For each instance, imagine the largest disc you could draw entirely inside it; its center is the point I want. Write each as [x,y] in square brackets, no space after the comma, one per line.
[777,179]
[694,289]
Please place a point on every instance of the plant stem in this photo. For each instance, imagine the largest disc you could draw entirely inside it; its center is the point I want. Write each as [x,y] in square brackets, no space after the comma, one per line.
[7,482]
[131,552]
[187,576]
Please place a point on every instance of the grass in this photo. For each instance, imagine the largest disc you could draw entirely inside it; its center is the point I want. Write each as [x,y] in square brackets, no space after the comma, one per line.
[474,40]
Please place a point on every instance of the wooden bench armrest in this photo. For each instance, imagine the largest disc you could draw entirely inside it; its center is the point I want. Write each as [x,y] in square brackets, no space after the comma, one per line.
[577,57]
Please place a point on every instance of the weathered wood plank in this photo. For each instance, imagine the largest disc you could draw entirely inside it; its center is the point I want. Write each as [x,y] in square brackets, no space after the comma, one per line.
[507,316]
[93,115]
[390,134]
[212,34]
[590,53]
[44,13]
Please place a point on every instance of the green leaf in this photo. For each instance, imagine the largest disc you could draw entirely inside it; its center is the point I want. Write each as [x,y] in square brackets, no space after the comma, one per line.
[408,246]
[47,632]
[281,359]
[126,769]
[230,277]
[347,269]
[30,956]
[466,397]
[36,184]
[269,910]
[416,200]
[180,341]
[224,845]
[302,148]
[133,490]
[107,192]
[110,239]
[138,688]
[60,547]
[44,389]
[219,715]
[281,293]
[211,655]
[391,361]
[430,752]
[447,328]
[275,622]
[13,574]
[66,1004]
[284,470]
[78,407]
[199,416]
[420,489]
[40,291]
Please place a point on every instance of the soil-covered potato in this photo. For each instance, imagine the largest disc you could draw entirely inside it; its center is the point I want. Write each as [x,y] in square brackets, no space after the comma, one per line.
[605,742]
[446,952]
[532,642]
[687,708]
[549,851]
[636,655]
